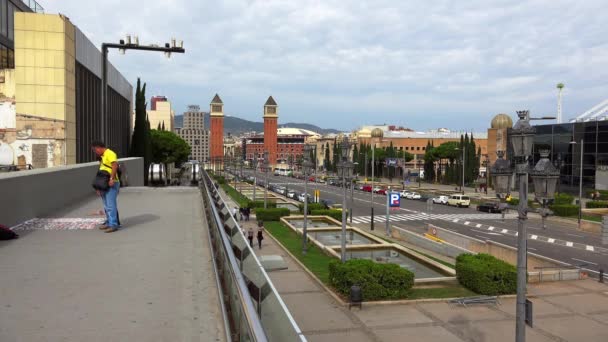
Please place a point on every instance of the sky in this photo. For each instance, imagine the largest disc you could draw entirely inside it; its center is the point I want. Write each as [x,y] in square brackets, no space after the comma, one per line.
[342,64]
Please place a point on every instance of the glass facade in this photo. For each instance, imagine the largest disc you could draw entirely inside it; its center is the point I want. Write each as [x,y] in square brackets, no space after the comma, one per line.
[567,156]
[7,31]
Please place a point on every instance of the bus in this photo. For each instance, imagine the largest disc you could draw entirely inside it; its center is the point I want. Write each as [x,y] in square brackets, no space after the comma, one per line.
[283,171]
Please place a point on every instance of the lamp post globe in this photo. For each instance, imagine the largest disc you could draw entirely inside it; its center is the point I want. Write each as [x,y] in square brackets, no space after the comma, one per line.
[501,173]
[545,176]
[522,135]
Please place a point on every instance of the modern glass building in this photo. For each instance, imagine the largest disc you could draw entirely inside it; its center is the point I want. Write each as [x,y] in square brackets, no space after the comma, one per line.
[564,141]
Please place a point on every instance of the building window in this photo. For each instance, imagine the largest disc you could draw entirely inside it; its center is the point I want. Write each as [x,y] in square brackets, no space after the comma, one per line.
[423,148]
[418,148]
[407,148]
[216,108]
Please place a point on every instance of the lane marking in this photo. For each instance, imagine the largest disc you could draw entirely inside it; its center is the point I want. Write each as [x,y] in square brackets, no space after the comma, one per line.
[467,223]
[532,249]
[585,261]
[551,240]
[478,225]
[490,228]
[590,248]
[569,244]
[534,237]
[505,231]
[575,235]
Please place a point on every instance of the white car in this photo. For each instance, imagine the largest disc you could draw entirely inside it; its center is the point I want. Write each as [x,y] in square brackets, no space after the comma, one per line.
[302,197]
[440,200]
[414,196]
[291,194]
[405,193]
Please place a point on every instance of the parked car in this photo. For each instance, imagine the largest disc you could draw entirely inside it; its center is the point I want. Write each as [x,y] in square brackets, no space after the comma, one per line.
[367,188]
[489,207]
[381,192]
[405,193]
[413,196]
[291,194]
[302,197]
[440,200]
[459,201]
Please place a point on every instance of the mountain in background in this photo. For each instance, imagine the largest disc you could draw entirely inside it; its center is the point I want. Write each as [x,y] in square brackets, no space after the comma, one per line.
[237,126]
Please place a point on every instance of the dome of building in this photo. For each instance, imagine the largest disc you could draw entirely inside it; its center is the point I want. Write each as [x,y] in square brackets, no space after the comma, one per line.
[502,121]
[377,133]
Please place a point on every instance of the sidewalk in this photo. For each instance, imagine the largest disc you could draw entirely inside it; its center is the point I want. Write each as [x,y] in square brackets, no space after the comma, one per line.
[566,311]
[65,280]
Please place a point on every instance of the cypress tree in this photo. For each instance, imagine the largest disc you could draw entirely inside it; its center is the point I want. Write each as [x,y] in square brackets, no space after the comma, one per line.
[140,138]
[163,126]
[158,128]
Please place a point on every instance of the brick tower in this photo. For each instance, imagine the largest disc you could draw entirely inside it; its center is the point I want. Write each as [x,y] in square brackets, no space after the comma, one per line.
[216,152]
[271,115]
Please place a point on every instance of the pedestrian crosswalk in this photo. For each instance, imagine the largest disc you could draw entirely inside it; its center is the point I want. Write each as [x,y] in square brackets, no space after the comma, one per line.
[425,216]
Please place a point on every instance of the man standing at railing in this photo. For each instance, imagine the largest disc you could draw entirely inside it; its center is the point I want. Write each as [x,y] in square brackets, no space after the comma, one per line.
[108,172]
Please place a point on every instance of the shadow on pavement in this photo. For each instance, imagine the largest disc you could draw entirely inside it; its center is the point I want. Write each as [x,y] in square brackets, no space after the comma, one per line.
[133,221]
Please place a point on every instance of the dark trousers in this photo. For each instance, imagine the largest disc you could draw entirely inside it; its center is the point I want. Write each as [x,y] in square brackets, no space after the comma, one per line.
[250,241]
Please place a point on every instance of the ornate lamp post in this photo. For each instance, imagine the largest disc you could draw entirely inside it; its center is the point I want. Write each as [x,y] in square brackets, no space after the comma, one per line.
[255,174]
[307,167]
[266,166]
[545,177]
[522,139]
[377,134]
[345,169]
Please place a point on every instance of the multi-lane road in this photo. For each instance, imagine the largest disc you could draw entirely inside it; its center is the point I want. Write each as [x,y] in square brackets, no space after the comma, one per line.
[559,241]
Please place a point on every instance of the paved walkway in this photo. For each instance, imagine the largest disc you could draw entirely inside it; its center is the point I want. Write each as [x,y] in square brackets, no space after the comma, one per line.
[152,280]
[566,311]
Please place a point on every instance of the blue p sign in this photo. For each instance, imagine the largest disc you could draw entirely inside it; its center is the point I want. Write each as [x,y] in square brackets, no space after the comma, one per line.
[395,200]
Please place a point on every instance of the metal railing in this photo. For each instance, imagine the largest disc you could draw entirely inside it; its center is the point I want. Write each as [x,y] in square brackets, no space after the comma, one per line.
[253,307]
[34,6]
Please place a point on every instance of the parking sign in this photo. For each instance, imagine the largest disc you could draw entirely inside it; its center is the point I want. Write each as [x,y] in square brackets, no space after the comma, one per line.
[395,200]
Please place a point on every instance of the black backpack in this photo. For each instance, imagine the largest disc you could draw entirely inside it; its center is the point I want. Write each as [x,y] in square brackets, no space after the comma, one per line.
[7,234]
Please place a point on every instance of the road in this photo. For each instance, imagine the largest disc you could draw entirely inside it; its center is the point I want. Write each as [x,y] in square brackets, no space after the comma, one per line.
[559,241]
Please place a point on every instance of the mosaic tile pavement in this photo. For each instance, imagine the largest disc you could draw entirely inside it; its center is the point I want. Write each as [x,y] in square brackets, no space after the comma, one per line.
[59,224]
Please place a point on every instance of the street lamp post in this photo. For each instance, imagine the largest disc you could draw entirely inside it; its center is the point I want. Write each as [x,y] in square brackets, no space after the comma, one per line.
[545,177]
[122,46]
[580,182]
[377,133]
[345,168]
[306,169]
[352,195]
[266,166]
[255,175]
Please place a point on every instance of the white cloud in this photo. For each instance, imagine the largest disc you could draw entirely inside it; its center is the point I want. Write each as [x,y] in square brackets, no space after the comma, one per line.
[343,63]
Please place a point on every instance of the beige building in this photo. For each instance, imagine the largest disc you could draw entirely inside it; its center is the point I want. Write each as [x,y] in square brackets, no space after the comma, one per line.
[49,102]
[161,113]
[194,133]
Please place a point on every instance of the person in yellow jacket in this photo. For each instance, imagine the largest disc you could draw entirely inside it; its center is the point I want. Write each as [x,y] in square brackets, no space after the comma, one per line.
[108,163]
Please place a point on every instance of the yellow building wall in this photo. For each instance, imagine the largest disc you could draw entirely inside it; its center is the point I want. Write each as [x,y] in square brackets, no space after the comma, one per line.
[162,113]
[45,63]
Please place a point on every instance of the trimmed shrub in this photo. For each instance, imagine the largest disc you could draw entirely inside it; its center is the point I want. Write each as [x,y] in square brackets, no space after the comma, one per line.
[485,274]
[597,204]
[563,199]
[377,281]
[271,214]
[260,204]
[564,210]
[334,213]
[311,207]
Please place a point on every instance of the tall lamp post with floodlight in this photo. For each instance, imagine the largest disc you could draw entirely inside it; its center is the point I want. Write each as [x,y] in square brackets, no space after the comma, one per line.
[545,177]
[377,134]
[307,167]
[580,181]
[266,166]
[345,169]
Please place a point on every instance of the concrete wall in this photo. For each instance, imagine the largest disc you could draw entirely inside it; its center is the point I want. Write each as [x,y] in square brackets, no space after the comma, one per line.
[446,249]
[37,193]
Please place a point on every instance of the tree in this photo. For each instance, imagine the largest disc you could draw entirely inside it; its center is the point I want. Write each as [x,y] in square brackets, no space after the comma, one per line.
[140,138]
[159,128]
[327,158]
[163,127]
[168,147]
[429,163]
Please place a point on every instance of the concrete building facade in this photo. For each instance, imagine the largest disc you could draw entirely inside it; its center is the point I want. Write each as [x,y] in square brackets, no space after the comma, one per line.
[50,101]
[195,134]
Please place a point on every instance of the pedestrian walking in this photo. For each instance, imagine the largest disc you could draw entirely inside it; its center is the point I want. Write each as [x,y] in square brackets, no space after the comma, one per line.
[250,237]
[260,237]
[247,213]
[107,185]
[235,211]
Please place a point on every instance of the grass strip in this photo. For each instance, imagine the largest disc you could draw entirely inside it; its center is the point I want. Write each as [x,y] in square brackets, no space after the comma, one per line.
[315,259]
[236,196]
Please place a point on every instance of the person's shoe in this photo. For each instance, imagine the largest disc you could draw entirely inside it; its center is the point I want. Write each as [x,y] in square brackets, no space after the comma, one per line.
[110,230]
[103,227]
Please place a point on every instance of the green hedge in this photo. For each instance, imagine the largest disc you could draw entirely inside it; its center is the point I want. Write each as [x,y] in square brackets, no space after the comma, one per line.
[272,214]
[260,204]
[515,202]
[377,281]
[597,204]
[485,274]
[564,210]
[311,207]
[563,198]
[335,213]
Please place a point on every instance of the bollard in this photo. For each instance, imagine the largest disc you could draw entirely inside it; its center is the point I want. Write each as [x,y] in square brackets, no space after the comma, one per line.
[601,276]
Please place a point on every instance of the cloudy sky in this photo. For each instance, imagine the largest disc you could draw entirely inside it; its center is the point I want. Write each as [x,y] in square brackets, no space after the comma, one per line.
[342,64]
